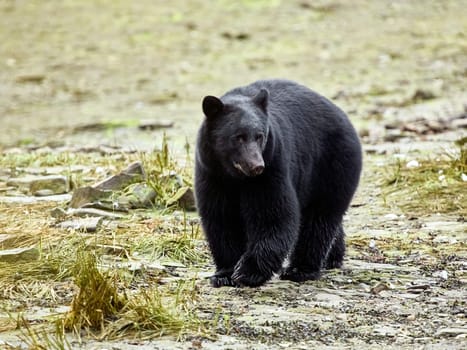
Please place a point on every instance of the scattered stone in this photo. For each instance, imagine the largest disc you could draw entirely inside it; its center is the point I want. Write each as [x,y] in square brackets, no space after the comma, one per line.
[88,194]
[460,123]
[93,212]
[56,184]
[55,170]
[464,177]
[112,249]
[385,331]
[379,288]
[119,205]
[30,78]
[449,226]
[329,300]
[139,196]
[451,332]
[391,217]
[155,125]
[16,254]
[443,274]
[413,164]
[44,193]
[58,213]
[422,95]
[31,200]
[132,174]
[418,288]
[88,224]
[411,317]
[184,198]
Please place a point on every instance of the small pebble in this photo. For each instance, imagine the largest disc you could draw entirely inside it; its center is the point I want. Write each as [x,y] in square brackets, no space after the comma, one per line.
[413,164]
[391,217]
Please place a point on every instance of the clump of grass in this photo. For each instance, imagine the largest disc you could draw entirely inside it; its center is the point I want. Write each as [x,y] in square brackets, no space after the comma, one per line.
[44,338]
[149,314]
[99,306]
[165,174]
[97,300]
[177,241]
[436,185]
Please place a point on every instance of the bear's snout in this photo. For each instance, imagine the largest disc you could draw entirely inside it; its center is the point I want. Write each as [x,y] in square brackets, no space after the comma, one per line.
[257,170]
[251,168]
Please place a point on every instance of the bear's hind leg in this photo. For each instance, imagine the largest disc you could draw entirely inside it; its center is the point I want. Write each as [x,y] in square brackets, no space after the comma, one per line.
[335,257]
[313,246]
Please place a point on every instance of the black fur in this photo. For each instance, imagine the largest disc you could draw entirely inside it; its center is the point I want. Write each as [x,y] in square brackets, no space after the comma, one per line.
[276,168]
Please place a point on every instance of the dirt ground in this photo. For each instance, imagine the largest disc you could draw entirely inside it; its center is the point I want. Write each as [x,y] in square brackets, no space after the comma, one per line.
[77,74]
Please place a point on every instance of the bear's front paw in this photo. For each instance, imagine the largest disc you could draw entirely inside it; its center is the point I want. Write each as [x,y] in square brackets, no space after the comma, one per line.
[247,273]
[297,275]
[222,281]
[222,278]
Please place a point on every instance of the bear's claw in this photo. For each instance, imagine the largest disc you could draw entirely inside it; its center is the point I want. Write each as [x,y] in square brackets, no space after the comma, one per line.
[296,275]
[222,281]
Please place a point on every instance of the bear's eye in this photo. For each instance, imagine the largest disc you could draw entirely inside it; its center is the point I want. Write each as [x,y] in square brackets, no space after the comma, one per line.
[259,137]
[240,138]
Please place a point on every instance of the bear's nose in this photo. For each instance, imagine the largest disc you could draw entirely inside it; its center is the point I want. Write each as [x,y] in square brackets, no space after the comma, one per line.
[257,170]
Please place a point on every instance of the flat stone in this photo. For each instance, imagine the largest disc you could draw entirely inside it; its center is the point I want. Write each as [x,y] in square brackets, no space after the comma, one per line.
[132,174]
[92,212]
[44,193]
[88,194]
[385,331]
[55,170]
[449,226]
[16,254]
[89,224]
[31,200]
[139,196]
[329,300]
[56,184]
[184,198]
[451,332]
[155,124]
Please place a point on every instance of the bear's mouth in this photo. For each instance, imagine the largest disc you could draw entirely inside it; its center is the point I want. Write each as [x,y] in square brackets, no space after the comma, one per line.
[239,167]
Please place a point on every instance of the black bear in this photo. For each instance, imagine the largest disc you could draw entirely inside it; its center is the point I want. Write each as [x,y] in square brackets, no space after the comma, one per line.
[276,168]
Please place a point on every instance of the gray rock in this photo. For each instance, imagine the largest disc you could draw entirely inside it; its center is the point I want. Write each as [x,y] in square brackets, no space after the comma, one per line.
[89,224]
[451,332]
[139,196]
[184,198]
[132,174]
[16,254]
[93,212]
[55,184]
[88,194]
[44,193]
[155,124]
[30,199]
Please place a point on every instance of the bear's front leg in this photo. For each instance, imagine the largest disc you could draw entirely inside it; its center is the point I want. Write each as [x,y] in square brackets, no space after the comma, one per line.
[272,224]
[221,223]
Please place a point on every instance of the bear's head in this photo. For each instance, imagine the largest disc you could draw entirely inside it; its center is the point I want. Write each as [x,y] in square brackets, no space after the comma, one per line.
[237,129]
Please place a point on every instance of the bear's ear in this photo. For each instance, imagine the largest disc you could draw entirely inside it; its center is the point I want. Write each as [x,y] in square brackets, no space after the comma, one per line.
[212,106]
[261,99]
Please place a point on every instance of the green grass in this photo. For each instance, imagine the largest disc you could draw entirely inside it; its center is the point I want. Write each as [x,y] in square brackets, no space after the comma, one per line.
[435,186]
